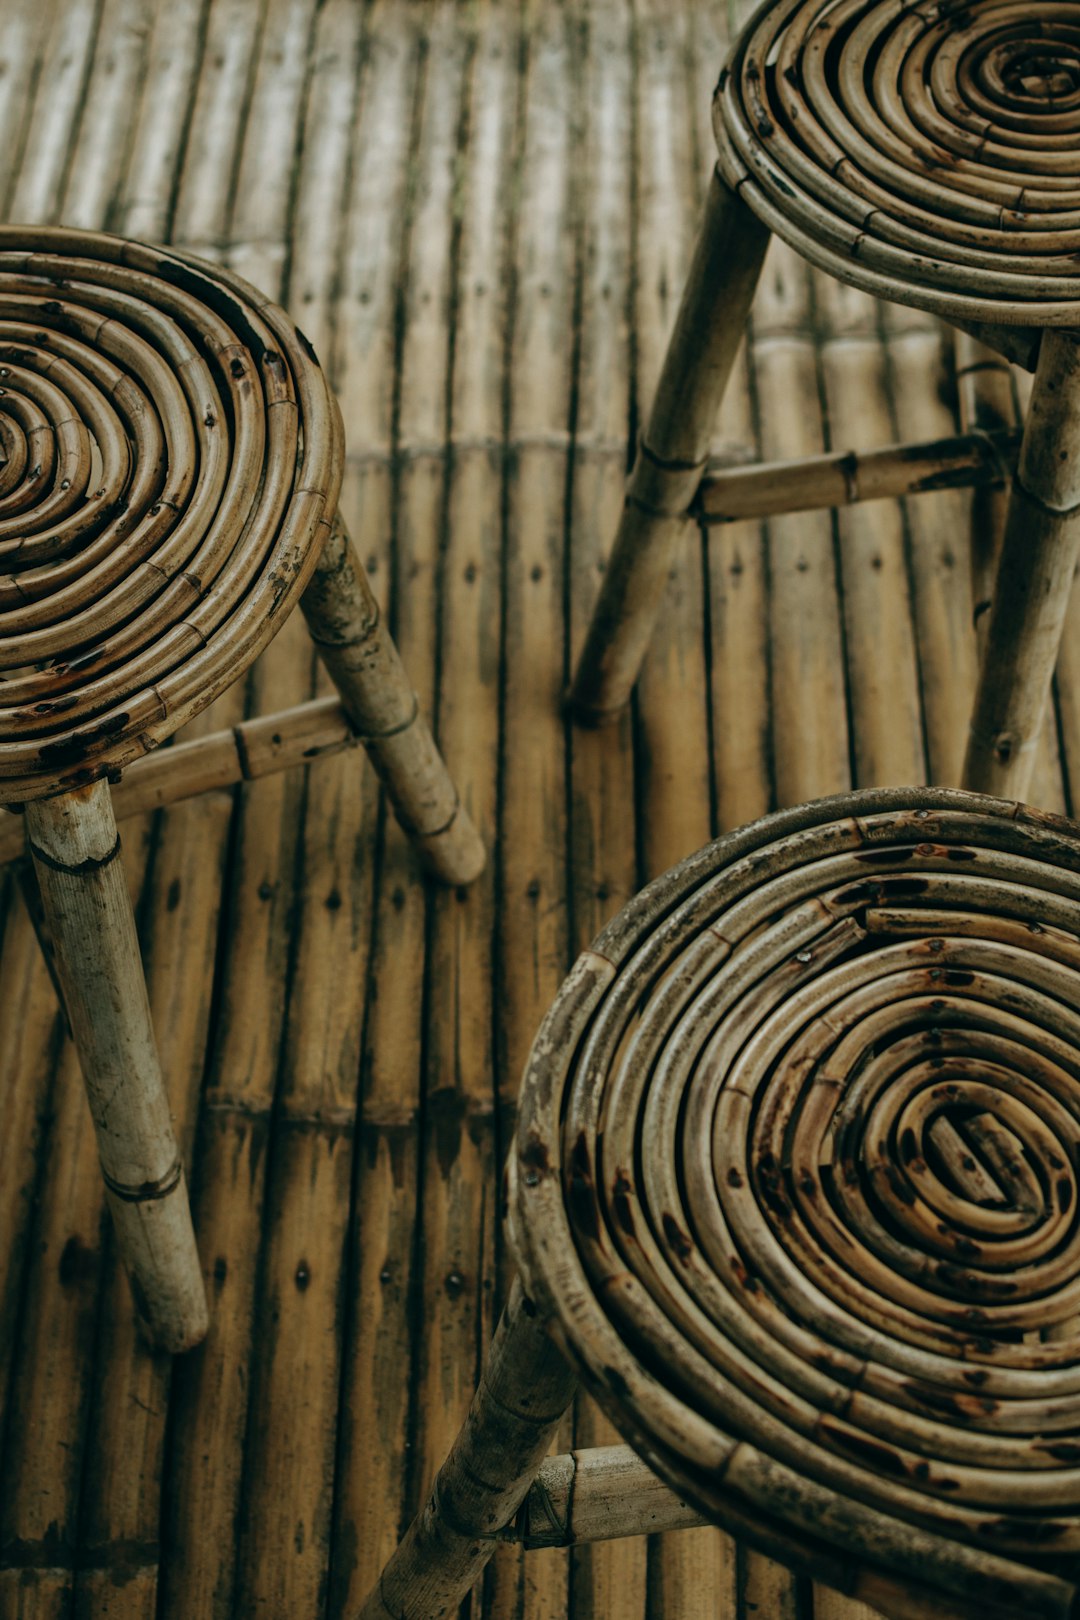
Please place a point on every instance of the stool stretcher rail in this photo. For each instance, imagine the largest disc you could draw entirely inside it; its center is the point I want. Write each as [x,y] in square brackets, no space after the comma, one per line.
[967,461]
[255,748]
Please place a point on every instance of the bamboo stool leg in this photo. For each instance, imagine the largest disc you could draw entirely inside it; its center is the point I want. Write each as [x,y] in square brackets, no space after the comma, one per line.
[673,451]
[1035,575]
[346,626]
[985,386]
[525,1388]
[87,911]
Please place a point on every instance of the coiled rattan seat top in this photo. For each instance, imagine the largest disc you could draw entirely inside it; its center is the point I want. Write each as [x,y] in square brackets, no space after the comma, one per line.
[796,1176]
[172,458]
[928,153]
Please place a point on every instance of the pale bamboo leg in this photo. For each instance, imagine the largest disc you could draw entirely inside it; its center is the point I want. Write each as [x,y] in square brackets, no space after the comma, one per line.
[525,1388]
[985,386]
[87,911]
[673,451]
[1035,575]
[346,626]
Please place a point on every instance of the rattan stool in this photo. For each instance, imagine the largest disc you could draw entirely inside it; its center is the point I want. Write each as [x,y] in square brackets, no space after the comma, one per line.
[172,457]
[925,153]
[794,1193]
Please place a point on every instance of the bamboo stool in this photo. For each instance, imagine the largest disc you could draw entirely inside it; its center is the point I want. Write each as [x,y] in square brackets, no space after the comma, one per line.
[793,1193]
[925,153]
[172,457]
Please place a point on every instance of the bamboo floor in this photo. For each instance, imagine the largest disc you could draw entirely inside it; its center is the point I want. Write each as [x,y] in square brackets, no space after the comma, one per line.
[481,214]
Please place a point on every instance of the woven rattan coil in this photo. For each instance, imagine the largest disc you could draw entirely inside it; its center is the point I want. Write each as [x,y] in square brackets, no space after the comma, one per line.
[172,459]
[796,1178]
[926,152]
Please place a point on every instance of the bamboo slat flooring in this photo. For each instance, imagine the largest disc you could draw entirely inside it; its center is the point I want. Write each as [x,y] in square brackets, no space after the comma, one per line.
[481,214]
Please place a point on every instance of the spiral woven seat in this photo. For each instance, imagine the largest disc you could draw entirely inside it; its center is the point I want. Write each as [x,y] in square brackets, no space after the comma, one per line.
[170,463]
[927,153]
[796,1180]
[172,460]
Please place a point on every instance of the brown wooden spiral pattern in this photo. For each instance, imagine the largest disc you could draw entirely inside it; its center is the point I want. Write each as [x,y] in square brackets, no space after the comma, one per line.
[796,1176]
[172,459]
[926,152]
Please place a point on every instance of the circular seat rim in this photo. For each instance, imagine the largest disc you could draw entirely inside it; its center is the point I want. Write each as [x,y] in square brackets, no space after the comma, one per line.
[290,557]
[746,168]
[541,1229]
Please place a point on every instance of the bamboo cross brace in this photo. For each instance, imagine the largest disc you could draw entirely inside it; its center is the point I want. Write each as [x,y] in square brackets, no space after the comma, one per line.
[968,460]
[75,849]
[602,1494]
[243,753]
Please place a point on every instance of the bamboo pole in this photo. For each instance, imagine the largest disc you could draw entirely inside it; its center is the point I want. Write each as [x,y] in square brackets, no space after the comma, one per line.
[35,911]
[441,616]
[74,844]
[673,185]
[28,1063]
[288,223]
[604,1494]
[735,554]
[532,922]
[767,1587]
[696,1576]
[166,92]
[881,669]
[673,450]
[804,654]
[380,1354]
[26,25]
[59,87]
[976,459]
[524,1390]
[48,1406]
[103,138]
[194,130]
[213,128]
[532,936]
[129,1391]
[675,178]
[987,391]
[987,405]
[445,1056]
[600,1579]
[937,526]
[1035,576]
[810,726]
[880,655]
[346,626]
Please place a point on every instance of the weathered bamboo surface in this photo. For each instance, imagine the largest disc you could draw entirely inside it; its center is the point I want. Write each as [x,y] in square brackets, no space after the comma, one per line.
[481,215]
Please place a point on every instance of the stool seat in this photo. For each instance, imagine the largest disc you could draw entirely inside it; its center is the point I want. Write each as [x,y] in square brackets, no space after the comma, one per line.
[795,1188]
[926,153]
[923,151]
[170,463]
[173,462]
